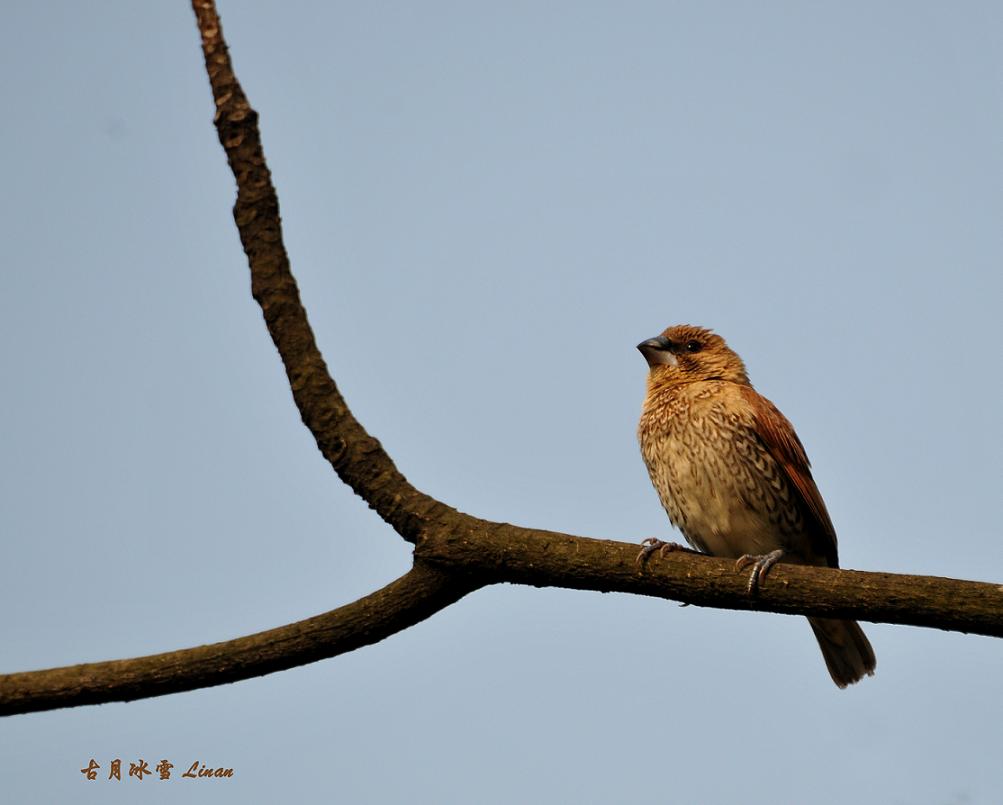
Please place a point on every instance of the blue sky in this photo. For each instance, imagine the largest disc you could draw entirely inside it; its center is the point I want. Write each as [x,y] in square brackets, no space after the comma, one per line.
[487,206]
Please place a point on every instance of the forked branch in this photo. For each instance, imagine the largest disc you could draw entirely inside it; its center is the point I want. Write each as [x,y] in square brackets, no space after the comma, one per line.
[455,553]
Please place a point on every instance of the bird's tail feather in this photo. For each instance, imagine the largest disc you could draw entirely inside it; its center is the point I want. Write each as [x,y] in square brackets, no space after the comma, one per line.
[848,654]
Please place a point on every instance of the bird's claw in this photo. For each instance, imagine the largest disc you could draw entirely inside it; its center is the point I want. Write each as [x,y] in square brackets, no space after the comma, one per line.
[648,547]
[652,544]
[761,566]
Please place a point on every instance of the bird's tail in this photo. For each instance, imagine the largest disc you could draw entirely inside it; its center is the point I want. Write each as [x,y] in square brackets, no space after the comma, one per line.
[848,654]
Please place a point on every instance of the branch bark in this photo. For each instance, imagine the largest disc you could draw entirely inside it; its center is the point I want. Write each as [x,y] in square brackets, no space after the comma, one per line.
[416,595]
[508,553]
[454,552]
[358,458]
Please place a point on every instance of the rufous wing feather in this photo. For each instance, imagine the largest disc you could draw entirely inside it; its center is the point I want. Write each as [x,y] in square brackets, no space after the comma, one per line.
[779,437]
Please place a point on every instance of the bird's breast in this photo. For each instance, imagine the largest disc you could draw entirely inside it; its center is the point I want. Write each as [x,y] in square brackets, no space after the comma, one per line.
[716,481]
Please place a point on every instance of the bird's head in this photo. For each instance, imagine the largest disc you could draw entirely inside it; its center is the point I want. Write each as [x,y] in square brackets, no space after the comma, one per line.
[687,354]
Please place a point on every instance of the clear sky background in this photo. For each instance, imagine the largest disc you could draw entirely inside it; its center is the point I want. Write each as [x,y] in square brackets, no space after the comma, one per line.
[487,205]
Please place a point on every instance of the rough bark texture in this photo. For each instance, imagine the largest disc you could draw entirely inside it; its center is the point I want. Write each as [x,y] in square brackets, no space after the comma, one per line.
[455,553]
[549,559]
[357,457]
[413,597]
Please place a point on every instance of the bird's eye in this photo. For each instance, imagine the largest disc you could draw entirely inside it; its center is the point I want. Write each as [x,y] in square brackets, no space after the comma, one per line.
[693,346]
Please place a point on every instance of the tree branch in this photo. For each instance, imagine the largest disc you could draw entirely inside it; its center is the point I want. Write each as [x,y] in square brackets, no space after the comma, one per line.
[450,565]
[358,458]
[412,598]
[506,553]
[454,552]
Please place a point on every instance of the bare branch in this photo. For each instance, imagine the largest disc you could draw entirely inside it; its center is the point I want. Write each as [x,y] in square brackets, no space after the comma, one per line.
[451,565]
[357,457]
[455,552]
[418,594]
[502,552]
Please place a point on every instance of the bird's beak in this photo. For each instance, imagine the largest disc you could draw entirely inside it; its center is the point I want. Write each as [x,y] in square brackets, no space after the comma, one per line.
[658,350]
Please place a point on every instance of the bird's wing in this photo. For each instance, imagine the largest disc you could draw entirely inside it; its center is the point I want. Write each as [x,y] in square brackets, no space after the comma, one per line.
[778,435]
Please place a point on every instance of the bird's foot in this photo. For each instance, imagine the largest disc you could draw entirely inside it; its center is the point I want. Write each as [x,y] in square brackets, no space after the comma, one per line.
[761,565]
[651,544]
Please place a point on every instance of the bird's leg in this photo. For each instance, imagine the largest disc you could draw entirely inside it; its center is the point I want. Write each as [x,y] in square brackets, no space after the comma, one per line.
[761,565]
[652,544]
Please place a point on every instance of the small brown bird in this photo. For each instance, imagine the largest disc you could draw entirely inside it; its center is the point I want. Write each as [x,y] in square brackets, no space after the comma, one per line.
[733,476]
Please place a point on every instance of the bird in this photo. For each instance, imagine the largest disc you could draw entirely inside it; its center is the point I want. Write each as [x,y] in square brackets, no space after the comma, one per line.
[734,478]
